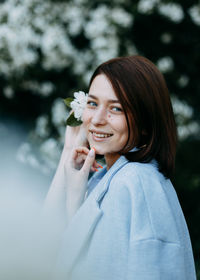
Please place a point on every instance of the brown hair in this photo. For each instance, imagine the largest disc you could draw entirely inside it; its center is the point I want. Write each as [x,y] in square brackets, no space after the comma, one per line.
[143,94]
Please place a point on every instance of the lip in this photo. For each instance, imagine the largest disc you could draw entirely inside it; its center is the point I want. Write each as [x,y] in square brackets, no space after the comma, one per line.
[100,139]
[99,132]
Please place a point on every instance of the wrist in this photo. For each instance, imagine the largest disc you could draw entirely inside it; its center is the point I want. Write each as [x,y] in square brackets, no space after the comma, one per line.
[74,199]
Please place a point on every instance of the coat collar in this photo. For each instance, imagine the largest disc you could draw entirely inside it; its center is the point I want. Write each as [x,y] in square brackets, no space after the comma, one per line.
[83,223]
[103,185]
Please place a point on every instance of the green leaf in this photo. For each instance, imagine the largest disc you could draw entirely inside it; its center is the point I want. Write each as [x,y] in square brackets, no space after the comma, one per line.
[72,121]
[67,101]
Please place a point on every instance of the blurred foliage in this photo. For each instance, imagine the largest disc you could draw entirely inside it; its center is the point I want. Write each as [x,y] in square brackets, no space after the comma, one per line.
[49,49]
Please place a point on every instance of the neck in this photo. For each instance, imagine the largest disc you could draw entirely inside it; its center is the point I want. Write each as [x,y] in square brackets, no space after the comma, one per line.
[111,159]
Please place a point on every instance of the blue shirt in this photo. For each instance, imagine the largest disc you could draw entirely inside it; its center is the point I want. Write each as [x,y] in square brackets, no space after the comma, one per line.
[130,226]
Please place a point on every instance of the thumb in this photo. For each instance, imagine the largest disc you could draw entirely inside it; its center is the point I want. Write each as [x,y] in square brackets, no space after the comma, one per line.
[89,161]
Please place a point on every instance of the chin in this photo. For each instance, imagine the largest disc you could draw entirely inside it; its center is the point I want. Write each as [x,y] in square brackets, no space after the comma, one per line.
[100,153]
[99,150]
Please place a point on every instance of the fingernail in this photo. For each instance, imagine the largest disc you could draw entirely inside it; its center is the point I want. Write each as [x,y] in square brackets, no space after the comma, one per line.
[96,169]
[100,165]
[91,152]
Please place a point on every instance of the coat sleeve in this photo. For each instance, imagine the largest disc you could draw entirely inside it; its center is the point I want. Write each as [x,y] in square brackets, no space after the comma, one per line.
[142,222]
[155,260]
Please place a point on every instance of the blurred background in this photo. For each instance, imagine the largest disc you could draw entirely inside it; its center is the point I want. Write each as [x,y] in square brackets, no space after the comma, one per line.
[49,49]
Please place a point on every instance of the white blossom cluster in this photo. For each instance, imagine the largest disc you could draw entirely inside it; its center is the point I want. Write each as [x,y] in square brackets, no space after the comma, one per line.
[194,12]
[78,104]
[173,11]
[27,26]
[45,88]
[146,6]
[49,148]
[165,64]
[183,114]
[101,30]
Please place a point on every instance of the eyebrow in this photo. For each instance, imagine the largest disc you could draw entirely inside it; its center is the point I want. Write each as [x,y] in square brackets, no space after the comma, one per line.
[109,101]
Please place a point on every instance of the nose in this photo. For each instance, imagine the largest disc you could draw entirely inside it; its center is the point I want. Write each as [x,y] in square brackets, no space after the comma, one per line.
[99,117]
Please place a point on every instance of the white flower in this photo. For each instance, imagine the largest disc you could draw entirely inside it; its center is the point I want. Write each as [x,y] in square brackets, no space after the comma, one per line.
[78,104]
[58,112]
[165,64]
[172,11]
[194,13]
[146,6]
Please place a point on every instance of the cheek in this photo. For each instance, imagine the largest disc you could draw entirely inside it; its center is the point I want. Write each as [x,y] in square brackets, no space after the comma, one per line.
[123,130]
[85,117]
[120,125]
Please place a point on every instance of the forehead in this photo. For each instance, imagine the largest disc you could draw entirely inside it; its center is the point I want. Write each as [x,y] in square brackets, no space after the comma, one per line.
[101,87]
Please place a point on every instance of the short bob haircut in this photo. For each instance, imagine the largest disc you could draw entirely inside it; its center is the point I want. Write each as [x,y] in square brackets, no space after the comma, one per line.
[144,96]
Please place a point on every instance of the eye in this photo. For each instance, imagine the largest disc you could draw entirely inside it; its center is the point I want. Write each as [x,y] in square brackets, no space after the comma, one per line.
[116,109]
[91,103]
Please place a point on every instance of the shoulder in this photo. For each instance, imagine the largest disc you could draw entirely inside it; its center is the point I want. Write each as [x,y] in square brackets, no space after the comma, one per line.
[143,193]
[136,176]
[139,181]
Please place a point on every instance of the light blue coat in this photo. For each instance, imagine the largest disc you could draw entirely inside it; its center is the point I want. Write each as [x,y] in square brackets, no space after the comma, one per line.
[130,227]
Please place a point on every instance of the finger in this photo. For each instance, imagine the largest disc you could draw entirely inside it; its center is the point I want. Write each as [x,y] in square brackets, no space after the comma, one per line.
[97,165]
[80,159]
[80,150]
[89,161]
[80,155]
[93,169]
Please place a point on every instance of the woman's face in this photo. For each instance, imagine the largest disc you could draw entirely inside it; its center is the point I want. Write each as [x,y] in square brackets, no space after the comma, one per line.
[104,119]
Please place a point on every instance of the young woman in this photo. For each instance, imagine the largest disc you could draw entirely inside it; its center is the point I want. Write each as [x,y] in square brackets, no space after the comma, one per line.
[126,223]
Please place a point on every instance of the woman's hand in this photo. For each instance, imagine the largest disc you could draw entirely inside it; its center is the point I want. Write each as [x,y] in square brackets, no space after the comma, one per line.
[75,137]
[77,169]
[69,185]
[80,161]
[77,163]
[79,158]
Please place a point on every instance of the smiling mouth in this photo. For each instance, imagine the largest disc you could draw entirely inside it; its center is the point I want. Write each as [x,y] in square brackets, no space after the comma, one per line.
[101,135]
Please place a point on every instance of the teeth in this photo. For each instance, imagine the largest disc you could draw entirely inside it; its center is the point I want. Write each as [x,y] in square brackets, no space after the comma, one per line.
[101,135]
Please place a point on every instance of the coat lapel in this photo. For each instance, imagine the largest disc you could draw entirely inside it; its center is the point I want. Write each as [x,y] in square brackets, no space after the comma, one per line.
[83,223]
